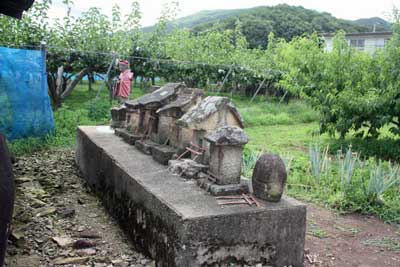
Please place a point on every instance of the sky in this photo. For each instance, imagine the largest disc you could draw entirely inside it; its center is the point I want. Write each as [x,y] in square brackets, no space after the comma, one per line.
[346,9]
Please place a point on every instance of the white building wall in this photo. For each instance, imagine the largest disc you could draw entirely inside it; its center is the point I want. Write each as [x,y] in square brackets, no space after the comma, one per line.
[371,43]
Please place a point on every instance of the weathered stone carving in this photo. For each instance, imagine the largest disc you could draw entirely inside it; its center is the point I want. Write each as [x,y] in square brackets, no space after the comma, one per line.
[186,168]
[269,178]
[208,115]
[226,149]
[174,122]
[118,117]
[168,130]
[141,113]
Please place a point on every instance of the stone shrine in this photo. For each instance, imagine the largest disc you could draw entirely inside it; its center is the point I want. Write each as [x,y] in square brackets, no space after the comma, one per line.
[197,211]
[226,149]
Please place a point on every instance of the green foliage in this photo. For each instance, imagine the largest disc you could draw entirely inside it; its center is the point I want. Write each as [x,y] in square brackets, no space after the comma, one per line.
[272,113]
[250,158]
[350,184]
[82,108]
[352,90]
[319,161]
[283,20]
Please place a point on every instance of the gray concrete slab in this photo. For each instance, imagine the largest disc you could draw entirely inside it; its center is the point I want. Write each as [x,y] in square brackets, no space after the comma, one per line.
[179,224]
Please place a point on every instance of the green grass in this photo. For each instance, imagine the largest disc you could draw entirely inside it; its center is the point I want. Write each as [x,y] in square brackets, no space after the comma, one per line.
[288,130]
[283,129]
[82,107]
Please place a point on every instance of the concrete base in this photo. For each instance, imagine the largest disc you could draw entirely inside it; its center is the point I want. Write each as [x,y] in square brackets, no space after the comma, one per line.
[127,136]
[162,154]
[179,224]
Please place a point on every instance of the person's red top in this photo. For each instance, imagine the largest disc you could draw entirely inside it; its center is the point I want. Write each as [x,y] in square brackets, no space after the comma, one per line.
[125,80]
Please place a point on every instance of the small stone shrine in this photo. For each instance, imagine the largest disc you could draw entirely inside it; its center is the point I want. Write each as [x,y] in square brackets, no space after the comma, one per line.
[198,211]
[141,119]
[207,116]
[226,149]
[118,117]
[169,131]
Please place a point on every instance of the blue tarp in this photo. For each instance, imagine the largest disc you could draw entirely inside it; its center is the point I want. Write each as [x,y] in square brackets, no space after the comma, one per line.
[25,109]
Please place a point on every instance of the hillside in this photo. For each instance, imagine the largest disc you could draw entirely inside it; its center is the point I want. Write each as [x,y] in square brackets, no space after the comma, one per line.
[284,20]
[380,24]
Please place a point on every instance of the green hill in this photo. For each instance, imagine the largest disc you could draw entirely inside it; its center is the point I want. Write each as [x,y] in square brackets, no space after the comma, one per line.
[379,24]
[284,20]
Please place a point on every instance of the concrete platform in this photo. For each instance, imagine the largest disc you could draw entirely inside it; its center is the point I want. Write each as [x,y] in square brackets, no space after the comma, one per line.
[177,223]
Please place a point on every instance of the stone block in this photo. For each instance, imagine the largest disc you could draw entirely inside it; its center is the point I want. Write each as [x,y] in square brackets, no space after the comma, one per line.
[186,168]
[127,136]
[163,153]
[146,146]
[269,177]
[226,164]
[222,190]
[179,224]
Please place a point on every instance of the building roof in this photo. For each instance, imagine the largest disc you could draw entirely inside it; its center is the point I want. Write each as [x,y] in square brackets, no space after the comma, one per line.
[359,34]
[206,108]
[158,97]
[186,97]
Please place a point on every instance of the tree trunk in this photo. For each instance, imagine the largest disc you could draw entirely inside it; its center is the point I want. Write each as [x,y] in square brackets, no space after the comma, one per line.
[71,86]
[52,84]
[91,79]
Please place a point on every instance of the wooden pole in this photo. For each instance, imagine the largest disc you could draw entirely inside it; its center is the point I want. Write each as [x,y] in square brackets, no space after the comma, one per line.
[258,90]
[225,79]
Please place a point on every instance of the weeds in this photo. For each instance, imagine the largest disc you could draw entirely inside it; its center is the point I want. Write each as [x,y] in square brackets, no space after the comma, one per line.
[249,161]
[381,180]
[386,243]
[347,163]
[320,162]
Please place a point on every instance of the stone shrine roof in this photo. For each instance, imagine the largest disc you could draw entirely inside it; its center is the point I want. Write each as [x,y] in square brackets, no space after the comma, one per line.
[186,97]
[206,108]
[227,136]
[159,96]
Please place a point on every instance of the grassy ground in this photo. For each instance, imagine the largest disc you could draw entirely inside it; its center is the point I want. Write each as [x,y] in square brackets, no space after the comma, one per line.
[287,130]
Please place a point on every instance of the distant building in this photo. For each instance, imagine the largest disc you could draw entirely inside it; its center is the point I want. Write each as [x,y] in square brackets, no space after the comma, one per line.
[366,41]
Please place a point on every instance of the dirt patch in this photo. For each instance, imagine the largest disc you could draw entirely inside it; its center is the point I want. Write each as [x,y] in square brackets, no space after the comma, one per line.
[352,240]
[58,220]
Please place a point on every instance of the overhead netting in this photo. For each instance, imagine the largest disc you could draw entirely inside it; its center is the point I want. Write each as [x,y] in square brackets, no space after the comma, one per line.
[25,109]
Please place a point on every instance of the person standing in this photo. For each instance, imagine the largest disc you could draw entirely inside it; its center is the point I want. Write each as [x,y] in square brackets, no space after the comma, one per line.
[7,196]
[122,89]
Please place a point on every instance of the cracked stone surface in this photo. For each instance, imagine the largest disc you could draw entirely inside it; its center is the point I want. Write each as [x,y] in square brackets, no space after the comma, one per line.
[228,135]
[206,108]
[159,97]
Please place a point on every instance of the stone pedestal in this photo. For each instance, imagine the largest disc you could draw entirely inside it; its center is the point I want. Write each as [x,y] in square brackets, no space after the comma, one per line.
[179,224]
[118,117]
[226,150]
[225,164]
[127,136]
[162,153]
[146,146]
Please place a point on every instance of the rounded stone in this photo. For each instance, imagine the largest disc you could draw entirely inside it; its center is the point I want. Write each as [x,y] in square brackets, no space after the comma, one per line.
[269,178]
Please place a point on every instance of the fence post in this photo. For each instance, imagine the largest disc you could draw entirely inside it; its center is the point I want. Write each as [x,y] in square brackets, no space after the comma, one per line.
[225,79]
[258,89]
[43,48]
